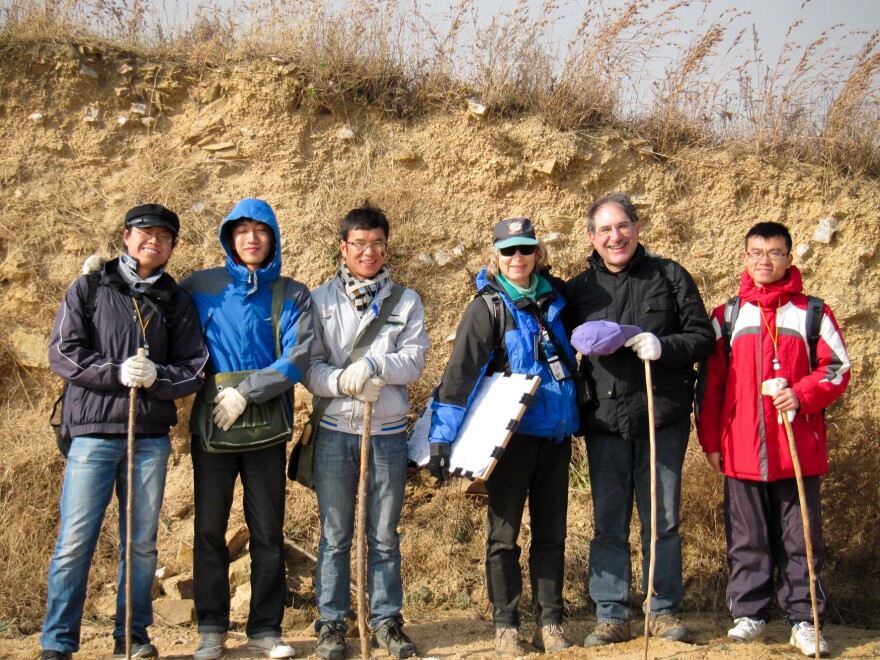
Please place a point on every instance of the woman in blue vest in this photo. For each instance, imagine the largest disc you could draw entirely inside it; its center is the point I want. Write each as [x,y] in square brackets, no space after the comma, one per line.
[534,464]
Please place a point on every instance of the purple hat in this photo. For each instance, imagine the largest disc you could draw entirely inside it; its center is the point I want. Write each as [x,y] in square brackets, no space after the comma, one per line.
[601,337]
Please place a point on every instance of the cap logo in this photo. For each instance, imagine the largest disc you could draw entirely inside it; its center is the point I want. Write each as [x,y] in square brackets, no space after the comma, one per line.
[515,227]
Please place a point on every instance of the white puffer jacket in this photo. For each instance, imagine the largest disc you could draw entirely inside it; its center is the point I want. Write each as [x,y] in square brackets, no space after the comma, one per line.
[399,350]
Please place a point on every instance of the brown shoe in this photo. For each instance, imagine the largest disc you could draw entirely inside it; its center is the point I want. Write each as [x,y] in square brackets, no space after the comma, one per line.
[508,642]
[550,638]
[608,632]
[669,627]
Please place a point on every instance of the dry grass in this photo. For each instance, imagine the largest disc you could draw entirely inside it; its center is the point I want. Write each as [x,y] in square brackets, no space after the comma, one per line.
[816,102]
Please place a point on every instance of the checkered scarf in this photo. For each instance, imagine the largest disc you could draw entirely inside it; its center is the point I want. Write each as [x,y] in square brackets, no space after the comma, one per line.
[361,291]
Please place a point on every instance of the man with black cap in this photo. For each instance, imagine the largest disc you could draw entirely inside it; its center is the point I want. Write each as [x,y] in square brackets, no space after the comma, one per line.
[130,303]
[624,283]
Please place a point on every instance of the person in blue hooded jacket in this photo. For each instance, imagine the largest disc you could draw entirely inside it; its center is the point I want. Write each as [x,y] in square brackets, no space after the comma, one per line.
[534,465]
[235,309]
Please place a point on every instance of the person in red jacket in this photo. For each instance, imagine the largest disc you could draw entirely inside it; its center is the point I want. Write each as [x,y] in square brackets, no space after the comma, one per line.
[743,437]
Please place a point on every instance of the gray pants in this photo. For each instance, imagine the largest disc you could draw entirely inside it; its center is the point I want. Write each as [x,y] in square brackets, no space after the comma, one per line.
[766,551]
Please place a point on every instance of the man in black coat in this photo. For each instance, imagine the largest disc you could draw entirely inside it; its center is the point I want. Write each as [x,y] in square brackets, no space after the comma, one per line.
[626,284]
[103,321]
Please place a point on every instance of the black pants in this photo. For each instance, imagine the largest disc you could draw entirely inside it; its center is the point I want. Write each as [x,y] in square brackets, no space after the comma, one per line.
[263,479]
[536,468]
[766,551]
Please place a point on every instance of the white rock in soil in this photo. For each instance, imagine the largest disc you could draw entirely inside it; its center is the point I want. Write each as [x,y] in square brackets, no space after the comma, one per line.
[347,134]
[802,250]
[825,229]
[37,117]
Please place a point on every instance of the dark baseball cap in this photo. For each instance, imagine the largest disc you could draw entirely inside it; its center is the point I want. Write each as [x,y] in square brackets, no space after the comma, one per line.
[153,215]
[514,231]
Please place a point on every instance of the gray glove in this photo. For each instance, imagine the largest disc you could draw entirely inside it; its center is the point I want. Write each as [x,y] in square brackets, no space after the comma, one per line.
[137,371]
[370,391]
[355,376]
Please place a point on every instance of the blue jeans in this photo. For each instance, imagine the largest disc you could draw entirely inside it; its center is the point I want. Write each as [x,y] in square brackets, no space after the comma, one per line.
[337,466]
[94,467]
[619,470]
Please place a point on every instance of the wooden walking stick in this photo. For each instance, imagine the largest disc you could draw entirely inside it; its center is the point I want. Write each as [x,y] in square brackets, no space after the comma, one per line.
[653,442]
[799,479]
[769,388]
[129,510]
[361,532]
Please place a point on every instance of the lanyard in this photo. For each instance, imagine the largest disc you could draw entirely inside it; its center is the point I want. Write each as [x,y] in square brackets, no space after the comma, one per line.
[774,336]
[143,324]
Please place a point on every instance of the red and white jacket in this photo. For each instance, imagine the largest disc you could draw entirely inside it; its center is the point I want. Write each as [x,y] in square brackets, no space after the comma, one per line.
[734,418]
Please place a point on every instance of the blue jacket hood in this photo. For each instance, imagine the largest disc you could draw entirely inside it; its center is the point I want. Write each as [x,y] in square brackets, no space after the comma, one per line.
[252,209]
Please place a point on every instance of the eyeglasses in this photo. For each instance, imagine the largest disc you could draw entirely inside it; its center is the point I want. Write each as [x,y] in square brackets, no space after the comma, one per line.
[772,255]
[360,246]
[623,228]
[160,235]
[511,250]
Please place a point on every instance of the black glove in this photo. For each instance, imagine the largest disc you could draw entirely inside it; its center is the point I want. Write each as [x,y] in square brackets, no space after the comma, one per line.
[438,465]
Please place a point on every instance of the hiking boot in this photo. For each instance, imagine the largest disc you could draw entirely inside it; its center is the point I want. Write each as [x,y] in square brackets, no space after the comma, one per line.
[331,642]
[210,646]
[803,638]
[139,648]
[52,654]
[549,638]
[608,632]
[508,642]
[746,629]
[668,627]
[391,637]
[271,647]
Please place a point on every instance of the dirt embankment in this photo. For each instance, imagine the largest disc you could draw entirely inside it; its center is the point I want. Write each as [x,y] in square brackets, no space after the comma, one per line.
[89,132]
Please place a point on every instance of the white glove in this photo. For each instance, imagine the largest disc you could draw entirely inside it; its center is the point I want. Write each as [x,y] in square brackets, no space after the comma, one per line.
[646,346]
[137,371]
[370,391]
[229,404]
[355,376]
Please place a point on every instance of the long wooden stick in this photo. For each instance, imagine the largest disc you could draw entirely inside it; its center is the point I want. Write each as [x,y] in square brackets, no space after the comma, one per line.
[129,510]
[649,385]
[799,479]
[361,532]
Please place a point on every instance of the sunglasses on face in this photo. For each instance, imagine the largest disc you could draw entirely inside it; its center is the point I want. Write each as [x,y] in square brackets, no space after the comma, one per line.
[524,250]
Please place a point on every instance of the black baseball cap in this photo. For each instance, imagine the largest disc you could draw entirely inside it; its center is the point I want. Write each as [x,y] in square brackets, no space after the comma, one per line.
[514,231]
[153,215]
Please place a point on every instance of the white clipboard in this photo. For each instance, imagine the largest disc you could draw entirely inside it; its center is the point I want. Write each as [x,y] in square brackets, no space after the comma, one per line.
[494,413]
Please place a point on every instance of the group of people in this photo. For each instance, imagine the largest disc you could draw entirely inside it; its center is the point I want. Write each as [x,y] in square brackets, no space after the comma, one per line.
[229,321]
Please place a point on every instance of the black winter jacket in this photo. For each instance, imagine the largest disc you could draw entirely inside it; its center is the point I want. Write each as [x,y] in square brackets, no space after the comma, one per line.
[659,296]
[87,353]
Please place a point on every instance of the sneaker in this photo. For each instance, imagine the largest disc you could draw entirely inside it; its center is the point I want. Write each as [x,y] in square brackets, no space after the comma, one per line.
[139,648]
[391,637]
[52,654]
[508,642]
[270,647]
[331,642]
[210,646]
[668,627]
[746,629]
[608,632]
[803,638]
[550,638]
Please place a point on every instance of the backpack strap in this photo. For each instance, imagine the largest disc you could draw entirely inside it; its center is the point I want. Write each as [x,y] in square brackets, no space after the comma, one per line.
[496,308]
[731,312]
[813,324]
[279,295]
[93,281]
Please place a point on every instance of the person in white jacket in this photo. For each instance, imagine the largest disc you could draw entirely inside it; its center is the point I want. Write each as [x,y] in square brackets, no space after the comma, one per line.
[344,307]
